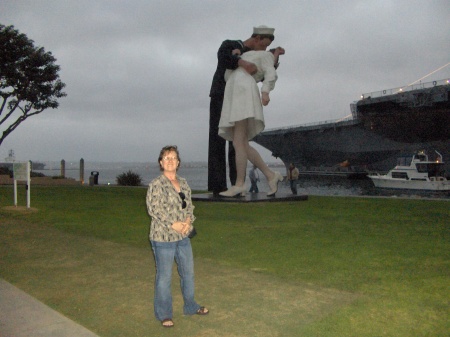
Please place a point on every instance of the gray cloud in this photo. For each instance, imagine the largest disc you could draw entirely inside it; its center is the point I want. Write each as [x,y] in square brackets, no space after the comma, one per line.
[138,73]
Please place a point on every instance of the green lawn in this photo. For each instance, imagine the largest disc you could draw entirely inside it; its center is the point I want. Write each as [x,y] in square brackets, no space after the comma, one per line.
[329,266]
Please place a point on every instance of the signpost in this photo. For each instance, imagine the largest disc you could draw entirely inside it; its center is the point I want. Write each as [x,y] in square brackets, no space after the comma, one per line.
[22,173]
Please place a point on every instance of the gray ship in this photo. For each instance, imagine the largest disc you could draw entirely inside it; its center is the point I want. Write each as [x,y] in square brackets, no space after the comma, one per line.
[383,126]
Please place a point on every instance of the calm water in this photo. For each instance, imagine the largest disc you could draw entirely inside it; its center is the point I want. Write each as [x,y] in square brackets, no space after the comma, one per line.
[197,175]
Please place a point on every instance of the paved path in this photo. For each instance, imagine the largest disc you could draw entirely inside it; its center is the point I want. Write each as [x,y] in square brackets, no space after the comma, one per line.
[21,315]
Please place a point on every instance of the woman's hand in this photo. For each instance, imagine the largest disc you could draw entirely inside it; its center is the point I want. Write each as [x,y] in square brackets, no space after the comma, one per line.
[188,226]
[186,229]
[279,51]
[265,99]
[188,221]
[236,52]
[182,227]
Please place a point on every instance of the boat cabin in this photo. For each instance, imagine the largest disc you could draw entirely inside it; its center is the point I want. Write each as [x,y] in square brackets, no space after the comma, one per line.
[415,172]
[419,163]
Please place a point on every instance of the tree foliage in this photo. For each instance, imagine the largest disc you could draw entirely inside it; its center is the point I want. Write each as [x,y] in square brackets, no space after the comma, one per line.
[29,80]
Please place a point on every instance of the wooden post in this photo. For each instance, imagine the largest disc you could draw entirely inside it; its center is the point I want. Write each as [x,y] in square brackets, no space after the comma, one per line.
[63,168]
[28,184]
[82,171]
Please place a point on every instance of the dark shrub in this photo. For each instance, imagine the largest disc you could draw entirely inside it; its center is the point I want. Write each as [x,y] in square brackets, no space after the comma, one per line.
[129,179]
[5,171]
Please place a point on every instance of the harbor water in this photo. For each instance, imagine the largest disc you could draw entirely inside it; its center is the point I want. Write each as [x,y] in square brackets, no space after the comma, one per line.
[196,175]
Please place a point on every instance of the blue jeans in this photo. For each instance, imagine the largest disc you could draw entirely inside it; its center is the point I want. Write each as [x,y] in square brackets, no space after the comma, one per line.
[165,253]
[254,186]
[293,184]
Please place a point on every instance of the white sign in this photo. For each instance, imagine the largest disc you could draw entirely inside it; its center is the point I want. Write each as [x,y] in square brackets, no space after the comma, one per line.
[20,171]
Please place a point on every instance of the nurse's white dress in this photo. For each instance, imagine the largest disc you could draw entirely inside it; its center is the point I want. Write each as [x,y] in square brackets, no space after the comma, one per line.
[242,99]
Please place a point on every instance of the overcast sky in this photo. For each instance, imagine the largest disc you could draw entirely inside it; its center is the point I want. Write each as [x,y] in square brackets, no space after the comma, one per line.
[138,72]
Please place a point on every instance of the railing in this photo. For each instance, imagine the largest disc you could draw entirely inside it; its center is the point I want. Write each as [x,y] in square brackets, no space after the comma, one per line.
[411,87]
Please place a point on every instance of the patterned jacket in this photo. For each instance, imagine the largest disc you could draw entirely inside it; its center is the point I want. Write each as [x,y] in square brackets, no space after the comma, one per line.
[164,205]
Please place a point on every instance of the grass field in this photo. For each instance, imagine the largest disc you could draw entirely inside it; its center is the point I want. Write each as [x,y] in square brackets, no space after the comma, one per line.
[329,266]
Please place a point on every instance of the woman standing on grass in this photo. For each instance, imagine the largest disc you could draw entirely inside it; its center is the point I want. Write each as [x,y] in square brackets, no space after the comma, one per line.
[170,206]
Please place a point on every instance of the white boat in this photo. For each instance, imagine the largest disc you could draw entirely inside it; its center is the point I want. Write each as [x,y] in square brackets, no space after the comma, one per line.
[414,172]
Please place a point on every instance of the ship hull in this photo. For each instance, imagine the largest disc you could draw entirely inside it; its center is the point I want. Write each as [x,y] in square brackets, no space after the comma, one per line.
[381,130]
[382,182]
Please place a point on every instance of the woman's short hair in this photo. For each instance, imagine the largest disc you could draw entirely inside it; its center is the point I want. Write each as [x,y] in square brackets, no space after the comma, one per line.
[166,149]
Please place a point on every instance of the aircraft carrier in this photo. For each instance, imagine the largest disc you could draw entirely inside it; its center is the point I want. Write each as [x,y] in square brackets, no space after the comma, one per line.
[383,125]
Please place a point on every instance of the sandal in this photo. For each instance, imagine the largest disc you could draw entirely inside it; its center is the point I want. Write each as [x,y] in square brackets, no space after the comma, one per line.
[167,323]
[202,311]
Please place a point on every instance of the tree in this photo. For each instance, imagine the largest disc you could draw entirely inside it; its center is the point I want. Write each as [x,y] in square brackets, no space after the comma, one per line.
[29,80]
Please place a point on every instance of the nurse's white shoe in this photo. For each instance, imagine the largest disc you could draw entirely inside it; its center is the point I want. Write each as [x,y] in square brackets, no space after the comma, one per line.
[273,184]
[234,191]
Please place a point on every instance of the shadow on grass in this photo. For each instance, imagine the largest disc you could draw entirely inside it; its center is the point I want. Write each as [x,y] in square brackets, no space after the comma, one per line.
[108,288]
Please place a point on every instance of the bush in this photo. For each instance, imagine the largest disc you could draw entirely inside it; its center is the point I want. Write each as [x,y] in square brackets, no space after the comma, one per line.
[5,171]
[129,179]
